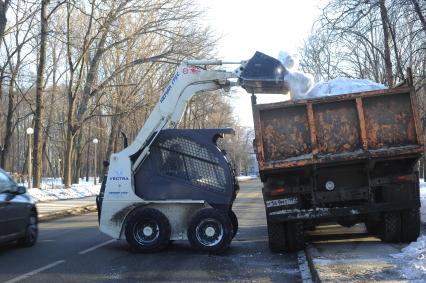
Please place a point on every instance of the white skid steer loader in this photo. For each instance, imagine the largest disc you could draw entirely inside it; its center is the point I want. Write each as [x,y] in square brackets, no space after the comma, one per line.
[176,184]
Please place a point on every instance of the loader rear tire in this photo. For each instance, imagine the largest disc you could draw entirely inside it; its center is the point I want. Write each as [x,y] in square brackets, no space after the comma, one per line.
[210,230]
[277,237]
[410,225]
[147,230]
[391,227]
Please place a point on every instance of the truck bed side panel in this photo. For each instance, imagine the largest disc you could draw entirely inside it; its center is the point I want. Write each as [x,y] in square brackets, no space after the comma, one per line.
[337,127]
[389,121]
[285,133]
[365,125]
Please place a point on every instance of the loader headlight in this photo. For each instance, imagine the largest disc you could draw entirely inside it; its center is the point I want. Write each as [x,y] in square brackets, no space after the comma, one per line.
[329,185]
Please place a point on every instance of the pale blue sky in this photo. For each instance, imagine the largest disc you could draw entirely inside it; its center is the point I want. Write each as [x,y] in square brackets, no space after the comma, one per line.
[267,26]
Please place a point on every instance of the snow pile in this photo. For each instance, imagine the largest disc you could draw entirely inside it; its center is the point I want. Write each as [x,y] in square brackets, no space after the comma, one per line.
[53,189]
[302,84]
[414,257]
[298,82]
[342,86]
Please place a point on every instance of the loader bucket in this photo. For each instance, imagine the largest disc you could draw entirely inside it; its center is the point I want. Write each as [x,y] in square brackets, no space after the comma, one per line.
[263,74]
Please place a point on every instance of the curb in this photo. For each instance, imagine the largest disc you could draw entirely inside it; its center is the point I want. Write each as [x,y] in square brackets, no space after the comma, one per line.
[314,273]
[66,213]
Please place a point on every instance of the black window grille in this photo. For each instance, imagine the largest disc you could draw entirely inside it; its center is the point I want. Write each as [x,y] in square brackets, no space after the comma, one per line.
[185,159]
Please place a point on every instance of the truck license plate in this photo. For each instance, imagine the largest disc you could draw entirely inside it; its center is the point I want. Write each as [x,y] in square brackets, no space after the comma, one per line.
[281,202]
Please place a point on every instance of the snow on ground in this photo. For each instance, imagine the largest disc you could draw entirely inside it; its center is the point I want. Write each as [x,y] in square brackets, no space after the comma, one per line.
[414,260]
[414,255]
[52,189]
[245,178]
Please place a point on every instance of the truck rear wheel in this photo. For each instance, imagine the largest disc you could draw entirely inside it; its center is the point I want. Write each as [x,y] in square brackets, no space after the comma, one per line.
[391,227]
[277,237]
[147,230]
[410,225]
[210,230]
[295,236]
[372,227]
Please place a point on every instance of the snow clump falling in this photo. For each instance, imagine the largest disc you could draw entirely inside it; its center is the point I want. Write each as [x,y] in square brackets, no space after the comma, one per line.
[298,82]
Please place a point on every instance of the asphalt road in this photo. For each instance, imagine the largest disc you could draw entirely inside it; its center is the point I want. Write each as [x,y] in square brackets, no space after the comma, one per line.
[73,250]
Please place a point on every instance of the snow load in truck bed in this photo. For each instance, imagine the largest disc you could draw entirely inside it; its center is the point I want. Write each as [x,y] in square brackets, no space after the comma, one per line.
[302,85]
[342,86]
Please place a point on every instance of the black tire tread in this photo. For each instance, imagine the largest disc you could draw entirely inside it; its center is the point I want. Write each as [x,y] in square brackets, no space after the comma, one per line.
[372,227]
[295,236]
[391,227]
[277,237]
[234,221]
[163,223]
[223,217]
[410,225]
[25,241]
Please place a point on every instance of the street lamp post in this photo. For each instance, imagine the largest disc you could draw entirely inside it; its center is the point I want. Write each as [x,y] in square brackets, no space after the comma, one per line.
[58,168]
[30,131]
[95,142]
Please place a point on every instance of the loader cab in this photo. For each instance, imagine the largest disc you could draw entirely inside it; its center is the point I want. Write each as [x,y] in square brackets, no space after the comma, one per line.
[186,164]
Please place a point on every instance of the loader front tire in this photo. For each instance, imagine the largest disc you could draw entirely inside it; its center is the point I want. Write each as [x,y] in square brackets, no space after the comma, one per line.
[147,230]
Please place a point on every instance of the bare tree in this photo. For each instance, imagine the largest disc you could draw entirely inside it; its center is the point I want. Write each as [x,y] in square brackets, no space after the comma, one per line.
[39,107]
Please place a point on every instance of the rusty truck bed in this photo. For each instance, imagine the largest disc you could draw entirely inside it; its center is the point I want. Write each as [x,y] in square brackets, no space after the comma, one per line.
[365,125]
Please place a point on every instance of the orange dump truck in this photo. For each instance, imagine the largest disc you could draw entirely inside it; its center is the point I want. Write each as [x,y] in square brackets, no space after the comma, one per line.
[347,159]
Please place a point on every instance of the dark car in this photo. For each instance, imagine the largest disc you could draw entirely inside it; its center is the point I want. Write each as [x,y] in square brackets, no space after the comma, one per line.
[18,213]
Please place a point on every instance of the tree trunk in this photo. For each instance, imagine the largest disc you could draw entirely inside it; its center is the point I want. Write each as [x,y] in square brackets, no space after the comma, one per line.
[70,133]
[3,20]
[386,43]
[8,130]
[78,151]
[424,168]
[38,128]
[68,159]
[87,163]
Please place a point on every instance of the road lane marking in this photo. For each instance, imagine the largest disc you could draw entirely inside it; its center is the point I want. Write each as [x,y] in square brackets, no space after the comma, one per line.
[97,246]
[34,272]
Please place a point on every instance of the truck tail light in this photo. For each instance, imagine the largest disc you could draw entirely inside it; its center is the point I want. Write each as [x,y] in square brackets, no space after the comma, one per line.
[278,191]
[404,178]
